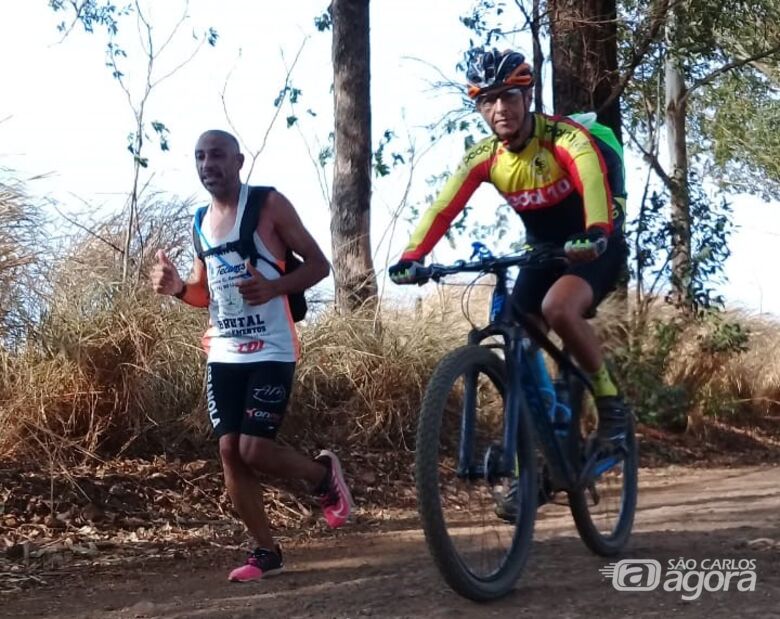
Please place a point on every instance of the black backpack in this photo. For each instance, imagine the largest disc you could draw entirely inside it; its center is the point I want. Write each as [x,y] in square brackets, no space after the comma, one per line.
[245,245]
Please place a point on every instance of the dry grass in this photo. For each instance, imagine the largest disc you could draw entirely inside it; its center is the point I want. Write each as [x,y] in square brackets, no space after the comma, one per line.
[745,384]
[697,363]
[362,385]
[110,368]
[20,243]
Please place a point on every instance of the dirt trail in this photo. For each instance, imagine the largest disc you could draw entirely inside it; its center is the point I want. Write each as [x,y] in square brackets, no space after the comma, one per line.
[690,513]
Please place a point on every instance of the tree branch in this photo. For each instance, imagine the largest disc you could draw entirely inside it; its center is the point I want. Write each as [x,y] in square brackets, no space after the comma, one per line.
[652,160]
[256,154]
[77,8]
[175,29]
[657,18]
[113,246]
[223,97]
[726,68]
[528,21]
[183,63]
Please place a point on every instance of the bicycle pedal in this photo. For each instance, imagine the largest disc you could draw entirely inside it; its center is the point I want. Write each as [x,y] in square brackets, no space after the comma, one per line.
[599,462]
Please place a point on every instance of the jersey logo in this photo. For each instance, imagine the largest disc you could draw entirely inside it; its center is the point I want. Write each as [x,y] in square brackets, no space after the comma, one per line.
[246,348]
[541,197]
[476,152]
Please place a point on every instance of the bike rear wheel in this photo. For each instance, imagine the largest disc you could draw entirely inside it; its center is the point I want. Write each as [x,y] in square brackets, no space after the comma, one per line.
[603,510]
[479,555]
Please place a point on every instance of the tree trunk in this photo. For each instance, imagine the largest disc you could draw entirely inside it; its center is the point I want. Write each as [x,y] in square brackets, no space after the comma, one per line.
[585,69]
[536,24]
[350,209]
[584,58]
[676,110]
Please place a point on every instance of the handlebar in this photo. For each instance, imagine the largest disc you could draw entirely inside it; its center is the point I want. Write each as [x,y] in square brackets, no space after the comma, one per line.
[488,263]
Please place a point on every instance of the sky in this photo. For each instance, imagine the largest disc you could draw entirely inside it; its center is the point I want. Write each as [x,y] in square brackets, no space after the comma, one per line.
[63,116]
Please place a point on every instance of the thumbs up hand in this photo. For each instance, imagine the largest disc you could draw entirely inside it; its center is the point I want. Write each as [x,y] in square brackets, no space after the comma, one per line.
[165,278]
[255,288]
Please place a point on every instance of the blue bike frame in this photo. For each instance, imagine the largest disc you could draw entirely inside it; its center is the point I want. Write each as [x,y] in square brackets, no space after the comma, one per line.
[529,385]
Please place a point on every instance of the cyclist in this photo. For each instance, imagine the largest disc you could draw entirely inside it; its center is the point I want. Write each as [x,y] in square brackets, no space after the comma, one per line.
[252,343]
[567,185]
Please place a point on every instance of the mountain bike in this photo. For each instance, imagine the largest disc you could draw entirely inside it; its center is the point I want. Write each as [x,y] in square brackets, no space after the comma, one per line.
[495,426]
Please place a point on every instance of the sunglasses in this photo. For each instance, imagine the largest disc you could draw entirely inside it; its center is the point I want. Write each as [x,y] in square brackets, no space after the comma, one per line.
[510,95]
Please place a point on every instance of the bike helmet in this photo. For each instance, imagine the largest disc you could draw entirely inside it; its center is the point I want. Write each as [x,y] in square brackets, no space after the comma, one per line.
[493,70]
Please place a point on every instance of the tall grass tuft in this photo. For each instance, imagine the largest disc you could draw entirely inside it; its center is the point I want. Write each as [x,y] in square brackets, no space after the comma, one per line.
[111,369]
[21,242]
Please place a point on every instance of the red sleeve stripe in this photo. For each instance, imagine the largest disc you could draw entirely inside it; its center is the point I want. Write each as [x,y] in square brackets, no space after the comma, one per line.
[444,218]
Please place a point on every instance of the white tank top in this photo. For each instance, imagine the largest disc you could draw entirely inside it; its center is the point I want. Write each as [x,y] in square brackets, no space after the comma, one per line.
[239,332]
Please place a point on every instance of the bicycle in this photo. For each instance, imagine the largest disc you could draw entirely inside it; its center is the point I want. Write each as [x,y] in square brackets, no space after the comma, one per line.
[498,382]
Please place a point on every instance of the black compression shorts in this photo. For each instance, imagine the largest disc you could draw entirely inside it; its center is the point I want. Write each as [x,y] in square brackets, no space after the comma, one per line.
[248,398]
[602,274]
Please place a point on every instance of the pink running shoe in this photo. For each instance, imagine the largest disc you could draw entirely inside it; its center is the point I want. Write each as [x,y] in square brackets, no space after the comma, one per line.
[260,564]
[336,501]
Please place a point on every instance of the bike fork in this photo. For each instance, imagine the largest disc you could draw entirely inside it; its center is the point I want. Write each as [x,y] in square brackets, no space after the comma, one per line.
[514,361]
[467,424]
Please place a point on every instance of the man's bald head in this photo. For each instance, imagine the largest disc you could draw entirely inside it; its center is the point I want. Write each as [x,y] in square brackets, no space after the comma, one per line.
[227,140]
[218,159]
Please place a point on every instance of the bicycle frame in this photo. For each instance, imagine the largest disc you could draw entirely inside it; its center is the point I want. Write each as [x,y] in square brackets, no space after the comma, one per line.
[528,384]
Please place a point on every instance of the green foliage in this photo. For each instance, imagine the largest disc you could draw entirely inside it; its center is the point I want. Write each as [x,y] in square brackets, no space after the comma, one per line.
[710,246]
[484,20]
[381,167]
[732,105]
[724,336]
[324,21]
[653,231]
[669,365]
[641,366]
[91,14]
[742,144]
[134,147]
[288,92]
[326,152]
[162,133]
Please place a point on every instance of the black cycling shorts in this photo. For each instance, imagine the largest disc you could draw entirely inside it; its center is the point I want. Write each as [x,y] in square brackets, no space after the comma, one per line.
[248,398]
[603,275]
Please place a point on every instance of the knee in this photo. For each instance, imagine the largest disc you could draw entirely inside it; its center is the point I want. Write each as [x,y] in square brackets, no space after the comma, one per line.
[259,454]
[558,314]
[232,465]
[229,454]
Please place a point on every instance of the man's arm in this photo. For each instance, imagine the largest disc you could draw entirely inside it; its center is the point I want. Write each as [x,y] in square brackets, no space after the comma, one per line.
[578,153]
[166,280]
[195,290]
[472,171]
[296,237]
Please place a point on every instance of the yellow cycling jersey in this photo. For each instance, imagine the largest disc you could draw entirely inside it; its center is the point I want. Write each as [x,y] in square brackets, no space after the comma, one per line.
[564,181]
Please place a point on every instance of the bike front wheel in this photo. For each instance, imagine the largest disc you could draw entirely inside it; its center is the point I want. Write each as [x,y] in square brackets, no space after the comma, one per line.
[459,478]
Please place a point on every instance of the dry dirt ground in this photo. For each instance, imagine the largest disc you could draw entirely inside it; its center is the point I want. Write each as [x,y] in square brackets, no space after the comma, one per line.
[716,513]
